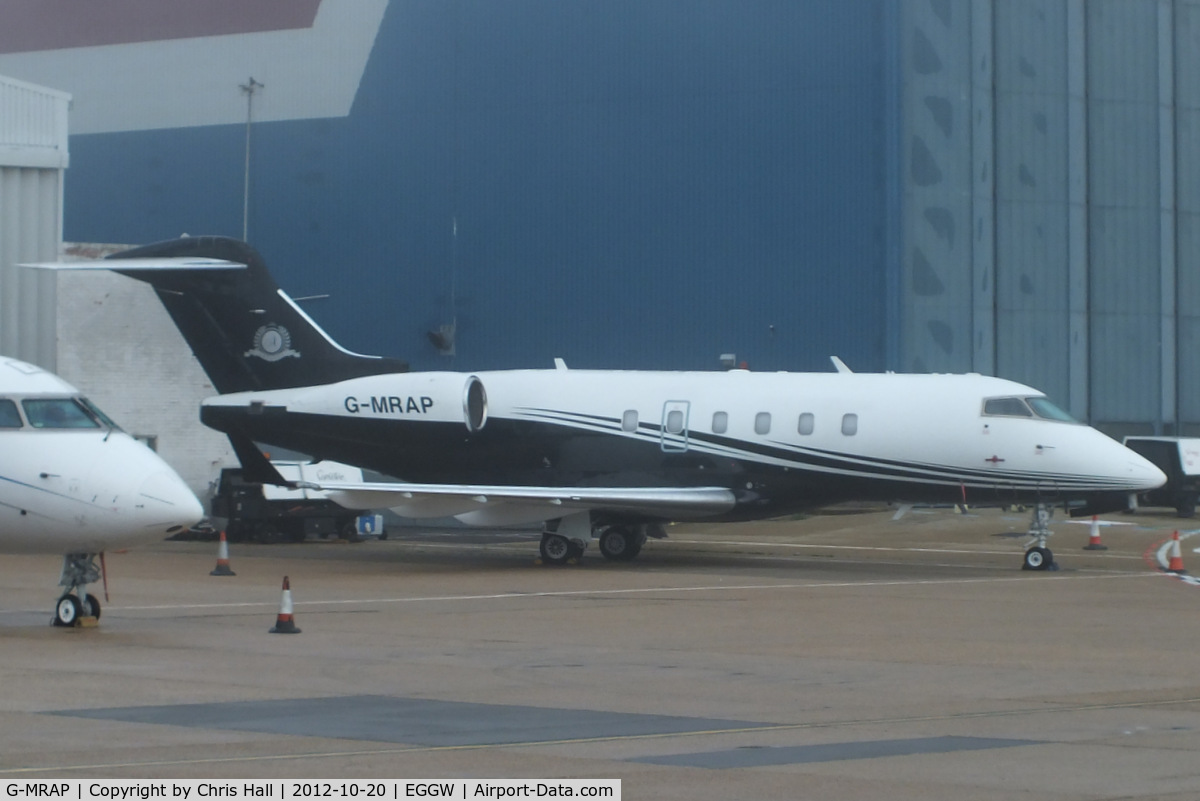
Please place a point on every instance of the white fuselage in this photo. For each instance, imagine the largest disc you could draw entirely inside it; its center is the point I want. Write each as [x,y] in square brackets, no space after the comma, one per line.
[780,440]
[77,485]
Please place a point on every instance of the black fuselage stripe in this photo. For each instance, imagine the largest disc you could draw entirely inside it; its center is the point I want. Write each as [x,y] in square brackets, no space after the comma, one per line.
[833,461]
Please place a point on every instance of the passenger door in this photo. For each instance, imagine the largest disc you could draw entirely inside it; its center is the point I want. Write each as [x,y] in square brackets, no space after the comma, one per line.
[673,435]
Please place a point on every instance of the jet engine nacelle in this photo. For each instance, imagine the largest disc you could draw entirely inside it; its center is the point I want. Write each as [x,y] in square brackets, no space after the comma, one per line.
[410,397]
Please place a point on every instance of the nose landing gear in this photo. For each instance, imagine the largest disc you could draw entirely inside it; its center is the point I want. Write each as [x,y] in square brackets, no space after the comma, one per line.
[1037,555]
[78,571]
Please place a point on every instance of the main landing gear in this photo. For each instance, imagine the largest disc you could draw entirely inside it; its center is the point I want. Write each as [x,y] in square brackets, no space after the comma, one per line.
[566,539]
[78,571]
[557,549]
[621,543]
[1037,555]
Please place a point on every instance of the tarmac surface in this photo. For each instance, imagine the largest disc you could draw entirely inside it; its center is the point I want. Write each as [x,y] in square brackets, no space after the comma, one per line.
[843,656]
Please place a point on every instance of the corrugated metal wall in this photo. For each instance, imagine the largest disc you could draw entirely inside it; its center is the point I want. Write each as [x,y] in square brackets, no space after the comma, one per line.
[33,155]
[1078,122]
[1129,199]
[1032,211]
[939,244]
[1187,213]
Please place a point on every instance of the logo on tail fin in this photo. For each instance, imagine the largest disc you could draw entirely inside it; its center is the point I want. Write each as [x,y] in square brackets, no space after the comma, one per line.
[272,343]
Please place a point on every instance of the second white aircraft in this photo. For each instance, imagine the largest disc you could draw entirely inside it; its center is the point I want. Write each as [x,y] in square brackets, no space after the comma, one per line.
[73,483]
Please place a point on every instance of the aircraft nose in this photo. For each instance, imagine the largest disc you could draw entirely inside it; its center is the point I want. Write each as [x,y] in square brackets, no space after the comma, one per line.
[1144,472]
[169,503]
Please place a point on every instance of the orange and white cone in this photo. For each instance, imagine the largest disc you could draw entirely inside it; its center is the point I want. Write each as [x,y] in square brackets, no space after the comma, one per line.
[1094,543]
[222,568]
[1176,563]
[284,624]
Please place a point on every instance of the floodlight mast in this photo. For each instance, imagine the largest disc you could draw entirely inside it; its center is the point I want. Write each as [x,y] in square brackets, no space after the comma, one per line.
[248,89]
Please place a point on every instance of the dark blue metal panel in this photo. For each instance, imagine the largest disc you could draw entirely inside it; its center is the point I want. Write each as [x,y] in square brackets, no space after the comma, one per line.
[633,183]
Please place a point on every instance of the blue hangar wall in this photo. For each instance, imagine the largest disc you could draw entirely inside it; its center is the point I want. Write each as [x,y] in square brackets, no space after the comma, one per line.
[627,183]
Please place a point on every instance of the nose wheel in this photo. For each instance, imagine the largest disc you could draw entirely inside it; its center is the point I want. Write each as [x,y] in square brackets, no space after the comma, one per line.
[1039,559]
[78,571]
[1037,555]
[69,610]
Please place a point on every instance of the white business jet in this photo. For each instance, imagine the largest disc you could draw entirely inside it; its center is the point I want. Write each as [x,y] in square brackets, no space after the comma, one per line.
[73,483]
[612,455]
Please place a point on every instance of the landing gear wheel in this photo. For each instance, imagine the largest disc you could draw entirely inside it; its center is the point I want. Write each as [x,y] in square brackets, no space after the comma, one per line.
[619,544]
[1038,559]
[66,611]
[557,549]
[635,546]
[614,543]
[349,531]
[92,607]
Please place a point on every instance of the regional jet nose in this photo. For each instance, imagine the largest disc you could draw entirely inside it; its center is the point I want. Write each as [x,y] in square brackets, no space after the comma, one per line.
[1143,473]
[168,504]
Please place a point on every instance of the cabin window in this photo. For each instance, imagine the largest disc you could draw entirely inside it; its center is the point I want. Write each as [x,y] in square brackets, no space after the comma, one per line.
[9,416]
[762,423]
[629,420]
[675,421]
[807,421]
[57,413]
[849,424]
[1006,407]
[720,422]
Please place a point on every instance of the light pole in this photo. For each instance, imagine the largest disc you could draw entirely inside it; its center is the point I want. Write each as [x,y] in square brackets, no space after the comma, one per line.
[248,90]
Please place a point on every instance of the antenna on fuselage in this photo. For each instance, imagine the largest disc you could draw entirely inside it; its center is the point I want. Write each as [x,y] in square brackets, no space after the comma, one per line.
[840,365]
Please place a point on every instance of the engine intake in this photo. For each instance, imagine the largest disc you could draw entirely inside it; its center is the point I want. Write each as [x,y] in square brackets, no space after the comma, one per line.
[475,404]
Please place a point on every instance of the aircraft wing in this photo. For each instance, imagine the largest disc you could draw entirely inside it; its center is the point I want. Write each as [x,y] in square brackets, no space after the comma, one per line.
[503,505]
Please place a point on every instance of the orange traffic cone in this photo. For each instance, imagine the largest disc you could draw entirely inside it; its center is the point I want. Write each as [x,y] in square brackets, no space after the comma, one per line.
[1094,540]
[1176,563]
[222,568]
[284,624]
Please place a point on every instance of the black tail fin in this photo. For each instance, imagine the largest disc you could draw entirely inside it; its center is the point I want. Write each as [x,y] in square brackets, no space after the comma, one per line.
[247,334]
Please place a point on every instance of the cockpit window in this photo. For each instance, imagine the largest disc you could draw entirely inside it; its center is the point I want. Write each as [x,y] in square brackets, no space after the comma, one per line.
[9,416]
[1026,407]
[1007,407]
[57,413]
[1044,408]
[99,415]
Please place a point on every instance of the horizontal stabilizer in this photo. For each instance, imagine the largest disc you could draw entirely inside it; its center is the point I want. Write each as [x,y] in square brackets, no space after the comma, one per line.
[140,264]
[247,334]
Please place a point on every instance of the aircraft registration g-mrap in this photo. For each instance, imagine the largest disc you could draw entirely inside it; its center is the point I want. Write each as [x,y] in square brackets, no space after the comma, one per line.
[73,483]
[612,455]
